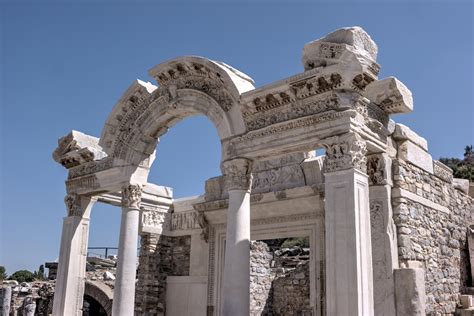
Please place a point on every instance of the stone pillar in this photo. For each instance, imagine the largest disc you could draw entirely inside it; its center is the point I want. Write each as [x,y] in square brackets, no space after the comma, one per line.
[236,283]
[349,288]
[5,300]
[124,291]
[383,232]
[69,291]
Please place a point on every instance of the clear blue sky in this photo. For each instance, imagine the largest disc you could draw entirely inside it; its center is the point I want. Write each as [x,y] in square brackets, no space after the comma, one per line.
[64,66]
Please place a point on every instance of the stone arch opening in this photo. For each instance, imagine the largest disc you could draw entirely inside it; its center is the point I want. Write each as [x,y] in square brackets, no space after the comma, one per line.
[188,86]
[98,299]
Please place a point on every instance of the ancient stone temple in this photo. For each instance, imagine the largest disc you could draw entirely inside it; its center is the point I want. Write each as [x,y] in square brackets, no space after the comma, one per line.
[386,224]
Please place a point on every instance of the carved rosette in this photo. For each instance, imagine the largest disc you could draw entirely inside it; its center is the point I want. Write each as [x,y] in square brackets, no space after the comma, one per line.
[238,174]
[131,196]
[345,152]
[73,204]
[377,170]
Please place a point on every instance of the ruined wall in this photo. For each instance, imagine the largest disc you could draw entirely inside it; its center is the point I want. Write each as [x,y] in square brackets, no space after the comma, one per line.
[261,277]
[160,256]
[433,235]
[291,292]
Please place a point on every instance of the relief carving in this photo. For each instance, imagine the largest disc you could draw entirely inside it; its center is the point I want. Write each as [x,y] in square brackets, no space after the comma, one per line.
[197,77]
[73,204]
[237,173]
[131,196]
[344,152]
[376,170]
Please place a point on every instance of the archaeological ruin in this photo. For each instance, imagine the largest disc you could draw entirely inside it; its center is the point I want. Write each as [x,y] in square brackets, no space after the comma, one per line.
[387,226]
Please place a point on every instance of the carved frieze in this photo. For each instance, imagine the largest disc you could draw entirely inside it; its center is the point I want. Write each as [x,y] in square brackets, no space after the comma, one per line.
[190,220]
[73,204]
[152,218]
[90,167]
[197,77]
[131,196]
[293,111]
[84,183]
[344,152]
[238,174]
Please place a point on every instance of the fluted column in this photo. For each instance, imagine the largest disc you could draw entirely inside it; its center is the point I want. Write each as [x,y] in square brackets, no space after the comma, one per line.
[236,285]
[124,291]
[69,292]
[349,288]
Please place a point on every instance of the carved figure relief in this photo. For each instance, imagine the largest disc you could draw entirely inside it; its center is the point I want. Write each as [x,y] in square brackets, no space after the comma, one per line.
[376,170]
[131,196]
[73,204]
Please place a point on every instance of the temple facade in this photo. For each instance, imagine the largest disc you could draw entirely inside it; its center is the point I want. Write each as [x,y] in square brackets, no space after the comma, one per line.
[386,224]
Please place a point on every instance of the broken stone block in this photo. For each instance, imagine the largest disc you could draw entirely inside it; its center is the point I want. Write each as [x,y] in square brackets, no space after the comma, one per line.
[461,185]
[410,291]
[351,46]
[390,95]
[413,154]
[5,300]
[403,133]
[466,301]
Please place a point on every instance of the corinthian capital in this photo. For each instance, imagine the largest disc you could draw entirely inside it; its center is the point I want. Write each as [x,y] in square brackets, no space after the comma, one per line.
[345,152]
[131,196]
[238,174]
[73,204]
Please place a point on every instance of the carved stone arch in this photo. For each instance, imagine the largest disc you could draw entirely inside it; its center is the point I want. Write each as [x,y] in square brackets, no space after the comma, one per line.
[188,86]
[101,293]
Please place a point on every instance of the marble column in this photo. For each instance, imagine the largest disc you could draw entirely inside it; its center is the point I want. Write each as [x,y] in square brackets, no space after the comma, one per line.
[383,232]
[349,288]
[124,291]
[236,285]
[69,291]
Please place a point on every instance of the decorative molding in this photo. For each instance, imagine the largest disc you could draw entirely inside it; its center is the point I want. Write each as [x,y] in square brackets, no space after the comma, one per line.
[345,152]
[316,85]
[361,81]
[237,173]
[73,204]
[131,196]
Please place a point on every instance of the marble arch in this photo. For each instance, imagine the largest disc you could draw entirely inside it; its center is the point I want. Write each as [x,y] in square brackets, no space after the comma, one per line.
[270,186]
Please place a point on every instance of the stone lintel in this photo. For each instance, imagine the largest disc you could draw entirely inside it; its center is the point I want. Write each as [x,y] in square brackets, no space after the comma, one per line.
[442,171]
[413,154]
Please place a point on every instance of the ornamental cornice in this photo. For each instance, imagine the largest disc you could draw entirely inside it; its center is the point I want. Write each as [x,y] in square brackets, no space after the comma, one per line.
[237,174]
[345,152]
[131,196]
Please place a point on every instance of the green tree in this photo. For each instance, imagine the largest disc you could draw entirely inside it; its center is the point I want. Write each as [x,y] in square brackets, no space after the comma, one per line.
[3,273]
[39,275]
[22,276]
[462,168]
